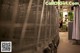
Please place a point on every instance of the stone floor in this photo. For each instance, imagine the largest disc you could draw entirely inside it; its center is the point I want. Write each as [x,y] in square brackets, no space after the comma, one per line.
[66,45]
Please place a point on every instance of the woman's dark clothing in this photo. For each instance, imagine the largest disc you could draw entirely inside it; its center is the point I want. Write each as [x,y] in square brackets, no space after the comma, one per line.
[61,24]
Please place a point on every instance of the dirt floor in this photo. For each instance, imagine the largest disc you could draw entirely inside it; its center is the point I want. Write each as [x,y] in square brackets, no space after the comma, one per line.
[66,46]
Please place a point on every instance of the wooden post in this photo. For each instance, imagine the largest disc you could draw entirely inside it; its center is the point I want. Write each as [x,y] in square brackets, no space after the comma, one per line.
[25,22]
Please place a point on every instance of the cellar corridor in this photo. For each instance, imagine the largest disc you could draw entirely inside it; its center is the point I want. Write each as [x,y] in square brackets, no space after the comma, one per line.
[31,26]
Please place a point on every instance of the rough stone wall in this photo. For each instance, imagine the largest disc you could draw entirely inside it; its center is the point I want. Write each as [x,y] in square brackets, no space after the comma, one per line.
[29,24]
